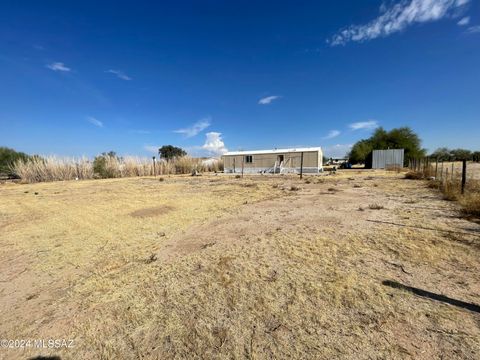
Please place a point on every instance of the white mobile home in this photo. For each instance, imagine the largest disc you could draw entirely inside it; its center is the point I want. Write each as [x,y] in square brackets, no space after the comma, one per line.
[275,161]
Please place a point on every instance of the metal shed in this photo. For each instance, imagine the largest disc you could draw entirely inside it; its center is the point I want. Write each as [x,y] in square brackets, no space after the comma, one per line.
[385,159]
[275,161]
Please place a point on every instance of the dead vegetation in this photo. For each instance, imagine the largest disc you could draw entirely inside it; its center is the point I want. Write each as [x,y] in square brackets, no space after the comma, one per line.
[450,188]
[375,206]
[235,271]
[52,168]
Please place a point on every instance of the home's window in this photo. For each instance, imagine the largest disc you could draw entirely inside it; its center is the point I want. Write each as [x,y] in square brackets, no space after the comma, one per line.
[248,159]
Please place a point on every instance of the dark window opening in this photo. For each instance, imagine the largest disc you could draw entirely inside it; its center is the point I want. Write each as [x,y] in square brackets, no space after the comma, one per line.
[248,159]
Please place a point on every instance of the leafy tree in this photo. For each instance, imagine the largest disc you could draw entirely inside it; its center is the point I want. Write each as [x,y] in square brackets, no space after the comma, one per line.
[101,165]
[399,138]
[442,153]
[8,157]
[476,156]
[461,154]
[360,151]
[170,152]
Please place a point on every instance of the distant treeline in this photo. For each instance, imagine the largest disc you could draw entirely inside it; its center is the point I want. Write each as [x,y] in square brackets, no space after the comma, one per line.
[400,138]
[405,138]
[446,154]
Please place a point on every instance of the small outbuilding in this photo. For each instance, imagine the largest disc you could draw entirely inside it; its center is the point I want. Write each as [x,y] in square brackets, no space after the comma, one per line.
[275,161]
[385,159]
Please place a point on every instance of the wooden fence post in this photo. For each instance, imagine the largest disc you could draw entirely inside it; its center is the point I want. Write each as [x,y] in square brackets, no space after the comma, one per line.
[234,164]
[464,175]
[453,169]
[436,168]
[154,172]
[301,166]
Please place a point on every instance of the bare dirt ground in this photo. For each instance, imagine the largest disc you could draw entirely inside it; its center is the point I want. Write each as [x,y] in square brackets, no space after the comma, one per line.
[357,265]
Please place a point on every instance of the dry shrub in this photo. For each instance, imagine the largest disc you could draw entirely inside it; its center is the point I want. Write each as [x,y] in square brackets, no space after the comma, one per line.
[376,206]
[413,175]
[450,190]
[186,164]
[471,204]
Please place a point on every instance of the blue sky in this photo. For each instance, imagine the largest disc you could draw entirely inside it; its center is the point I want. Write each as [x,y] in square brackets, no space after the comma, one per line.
[80,78]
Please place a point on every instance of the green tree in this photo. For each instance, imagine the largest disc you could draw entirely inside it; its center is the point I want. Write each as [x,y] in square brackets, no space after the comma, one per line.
[360,151]
[442,153]
[476,156]
[102,165]
[461,154]
[399,138]
[170,152]
[8,157]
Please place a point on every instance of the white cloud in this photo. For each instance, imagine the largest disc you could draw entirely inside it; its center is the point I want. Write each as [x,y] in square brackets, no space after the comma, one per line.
[332,134]
[214,144]
[151,148]
[58,66]
[337,151]
[397,17]
[119,74]
[473,29]
[195,129]
[464,21]
[94,121]
[361,125]
[267,100]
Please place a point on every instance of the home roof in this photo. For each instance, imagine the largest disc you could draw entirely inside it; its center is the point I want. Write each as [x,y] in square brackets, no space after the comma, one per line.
[273,151]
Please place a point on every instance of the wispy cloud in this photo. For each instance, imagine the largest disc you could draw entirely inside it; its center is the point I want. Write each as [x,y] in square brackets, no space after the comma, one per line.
[195,129]
[332,134]
[362,125]
[267,100]
[397,17]
[464,21]
[151,148]
[337,151]
[214,144]
[473,29]
[94,121]
[119,74]
[58,66]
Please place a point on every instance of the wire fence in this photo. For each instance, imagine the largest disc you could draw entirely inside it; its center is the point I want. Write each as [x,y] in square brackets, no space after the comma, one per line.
[460,175]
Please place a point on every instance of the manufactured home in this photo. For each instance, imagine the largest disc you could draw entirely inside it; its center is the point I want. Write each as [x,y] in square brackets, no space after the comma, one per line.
[277,161]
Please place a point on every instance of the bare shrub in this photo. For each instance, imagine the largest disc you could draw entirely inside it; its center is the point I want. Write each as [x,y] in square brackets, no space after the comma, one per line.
[471,204]
[376,206]
[413,175]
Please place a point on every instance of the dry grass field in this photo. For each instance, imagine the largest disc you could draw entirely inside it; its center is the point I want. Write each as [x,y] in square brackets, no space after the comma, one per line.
[355,265]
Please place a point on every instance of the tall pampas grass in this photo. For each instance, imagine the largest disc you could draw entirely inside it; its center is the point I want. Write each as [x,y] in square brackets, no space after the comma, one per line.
[53,168]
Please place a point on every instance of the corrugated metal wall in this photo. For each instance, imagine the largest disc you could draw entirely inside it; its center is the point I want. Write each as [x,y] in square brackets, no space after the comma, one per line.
[392,158]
